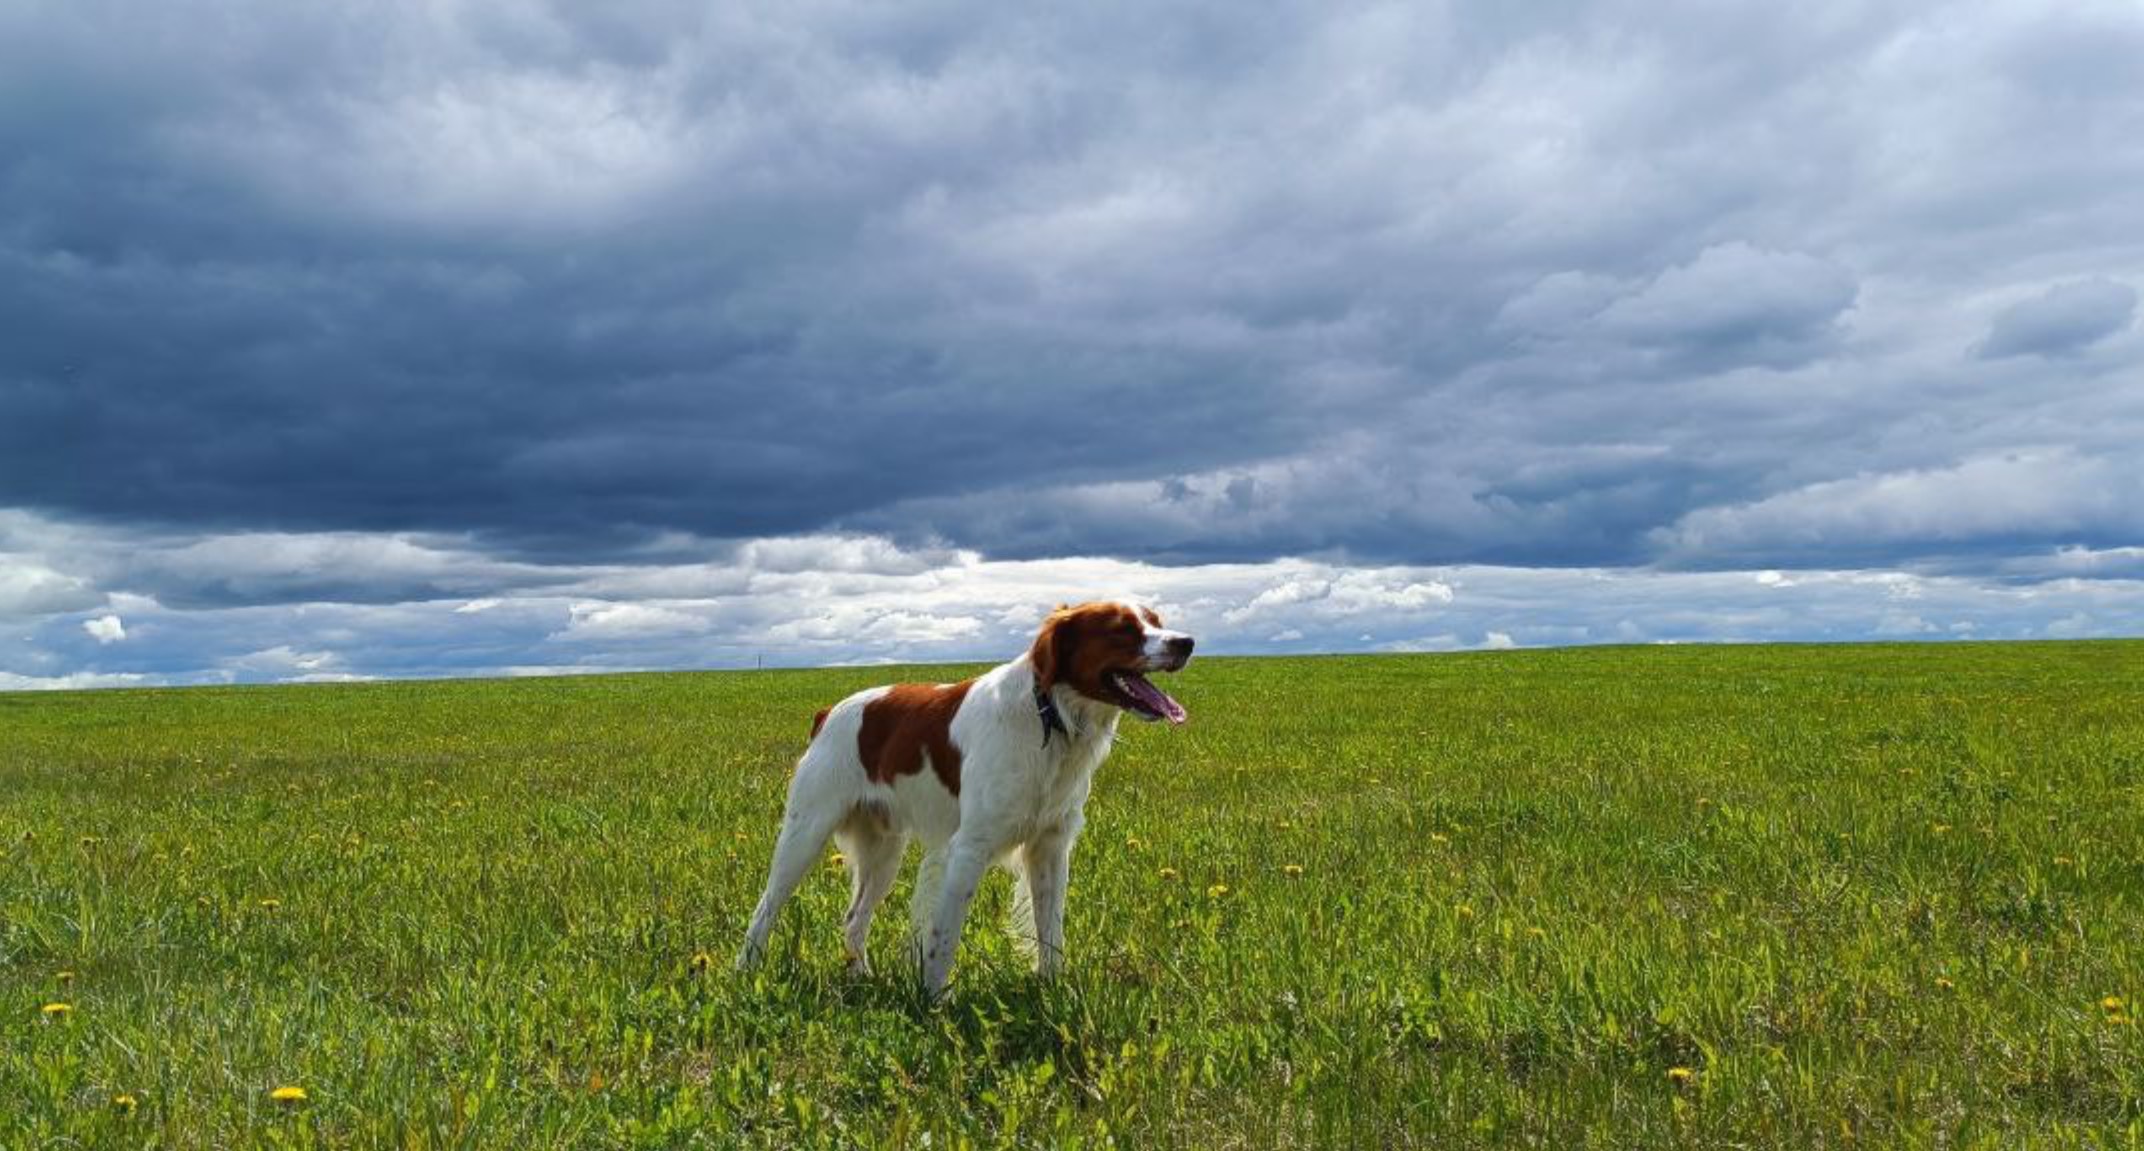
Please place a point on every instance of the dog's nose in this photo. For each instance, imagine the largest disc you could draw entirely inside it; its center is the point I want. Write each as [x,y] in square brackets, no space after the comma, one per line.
[1180,648]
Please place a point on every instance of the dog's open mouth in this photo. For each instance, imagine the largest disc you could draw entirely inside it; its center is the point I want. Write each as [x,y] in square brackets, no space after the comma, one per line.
[1140,697]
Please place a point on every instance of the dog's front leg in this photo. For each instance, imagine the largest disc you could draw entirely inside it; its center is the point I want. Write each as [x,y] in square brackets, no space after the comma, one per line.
[965,861]
[1048,863]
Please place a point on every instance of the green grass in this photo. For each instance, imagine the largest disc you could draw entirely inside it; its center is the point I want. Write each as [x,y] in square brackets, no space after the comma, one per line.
[1865,895]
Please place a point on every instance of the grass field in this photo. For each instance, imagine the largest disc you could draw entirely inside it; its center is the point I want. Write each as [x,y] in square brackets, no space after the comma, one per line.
[1808,896]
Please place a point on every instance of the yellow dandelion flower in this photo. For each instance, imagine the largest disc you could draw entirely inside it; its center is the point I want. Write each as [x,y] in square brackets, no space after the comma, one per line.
[124,1104]
[836,859]
[1439,837]
[1217,891]
[701,961]
[288,1094]
[57,1010]
[1131,842]
[1284,825]
[1292,871]
[2111,1003]
[1943,984]
[270,904]
[89,841]
[1168,873]
[2064,861]
[1704,801]
[1681,1074]
[1465,911]
[65,978]
[1939,828]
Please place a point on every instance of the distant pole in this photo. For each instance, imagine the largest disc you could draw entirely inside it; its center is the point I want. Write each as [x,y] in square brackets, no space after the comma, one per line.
[760,661]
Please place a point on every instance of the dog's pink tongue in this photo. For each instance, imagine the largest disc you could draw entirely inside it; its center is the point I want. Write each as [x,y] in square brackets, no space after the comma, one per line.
[1145,692]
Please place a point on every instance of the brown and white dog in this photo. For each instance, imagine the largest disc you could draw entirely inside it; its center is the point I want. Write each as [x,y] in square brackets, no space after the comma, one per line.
[991,769]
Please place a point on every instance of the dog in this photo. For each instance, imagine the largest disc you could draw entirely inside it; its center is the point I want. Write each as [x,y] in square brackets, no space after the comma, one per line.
[993,769]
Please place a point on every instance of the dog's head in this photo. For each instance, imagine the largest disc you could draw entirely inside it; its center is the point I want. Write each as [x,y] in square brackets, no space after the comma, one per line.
[1104,651]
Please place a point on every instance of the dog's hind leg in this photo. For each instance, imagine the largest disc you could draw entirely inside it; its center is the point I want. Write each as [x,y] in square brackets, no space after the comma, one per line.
[805,828]
[873,850]
[1020,914]
[1045,867]
[923,901]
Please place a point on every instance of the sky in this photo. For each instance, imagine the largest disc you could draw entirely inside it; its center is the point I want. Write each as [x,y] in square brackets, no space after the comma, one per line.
[472,338]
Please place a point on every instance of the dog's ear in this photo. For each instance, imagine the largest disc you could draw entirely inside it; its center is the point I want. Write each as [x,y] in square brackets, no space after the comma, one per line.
[1051,647]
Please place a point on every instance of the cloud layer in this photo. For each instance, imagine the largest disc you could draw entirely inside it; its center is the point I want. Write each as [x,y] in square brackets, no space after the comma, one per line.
[444,303]
[807,601]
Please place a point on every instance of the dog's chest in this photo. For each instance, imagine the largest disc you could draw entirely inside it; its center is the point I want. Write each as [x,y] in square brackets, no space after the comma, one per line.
[1035,790]
[1062,779]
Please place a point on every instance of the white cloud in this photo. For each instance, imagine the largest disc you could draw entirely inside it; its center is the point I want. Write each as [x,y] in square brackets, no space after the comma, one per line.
[899,604]
[1283,594]
[29,583]
[822,554]
[1345,592]
[2072,626]
[597,621]
[898,608]
[861,625]
[536,670]
[1902,623]
[2051,496]
[72,681]
[105,629]
[286,664]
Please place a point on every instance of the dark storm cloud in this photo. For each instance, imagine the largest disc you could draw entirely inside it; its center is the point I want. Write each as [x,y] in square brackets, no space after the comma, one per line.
[1573,284]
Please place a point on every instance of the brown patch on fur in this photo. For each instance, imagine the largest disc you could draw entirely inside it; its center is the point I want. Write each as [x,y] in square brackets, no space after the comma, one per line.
[818,721]
[1152,617]
[1079,646]
[910,722]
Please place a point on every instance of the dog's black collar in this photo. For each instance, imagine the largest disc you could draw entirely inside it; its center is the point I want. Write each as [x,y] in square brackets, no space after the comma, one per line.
[1052,719]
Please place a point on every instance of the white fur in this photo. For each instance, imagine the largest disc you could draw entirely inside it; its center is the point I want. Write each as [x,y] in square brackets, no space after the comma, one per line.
[1157,643]
[1019,805]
